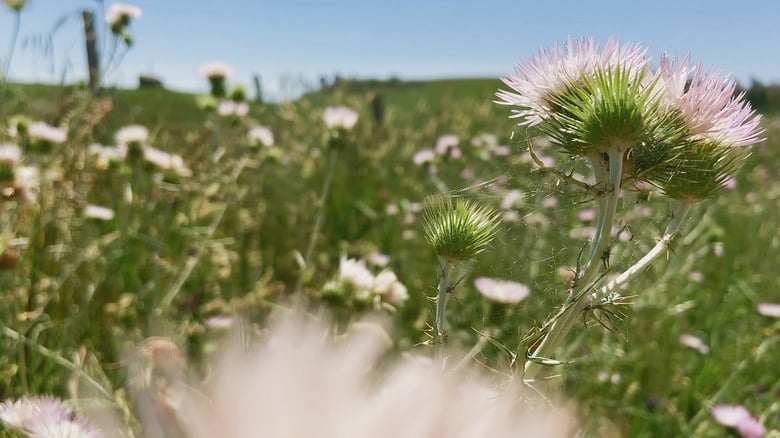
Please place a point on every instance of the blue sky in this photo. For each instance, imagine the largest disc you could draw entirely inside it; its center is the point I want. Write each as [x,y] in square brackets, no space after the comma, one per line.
[292,41]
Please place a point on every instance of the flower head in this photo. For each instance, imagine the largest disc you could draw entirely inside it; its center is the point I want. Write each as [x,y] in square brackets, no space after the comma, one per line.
[502,291]
[120,14]
[260,135]
[215,69]
[43,132]
[769,309]
[232,108]
[22,413]
[132,134]
[16,5]
[738,417]
[458,229]
[540,80]
[339,117]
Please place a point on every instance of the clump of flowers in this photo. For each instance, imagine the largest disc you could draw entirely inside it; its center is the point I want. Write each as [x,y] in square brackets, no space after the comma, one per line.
[356,285]
[676,127]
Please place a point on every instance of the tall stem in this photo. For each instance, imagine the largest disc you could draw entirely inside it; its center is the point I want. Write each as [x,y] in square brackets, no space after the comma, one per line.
[678,216]
[564,320]
[317,221]
[445,270]
[7,67]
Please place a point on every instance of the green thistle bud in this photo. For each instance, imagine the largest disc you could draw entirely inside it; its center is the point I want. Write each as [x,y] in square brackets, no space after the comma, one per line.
[458,229]
[238,93]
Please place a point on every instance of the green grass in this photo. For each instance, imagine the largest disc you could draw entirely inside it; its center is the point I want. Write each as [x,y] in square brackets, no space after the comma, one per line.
[224,241]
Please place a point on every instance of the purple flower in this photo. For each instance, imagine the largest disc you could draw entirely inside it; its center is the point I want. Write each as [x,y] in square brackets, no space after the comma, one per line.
[693,342]
[21,413]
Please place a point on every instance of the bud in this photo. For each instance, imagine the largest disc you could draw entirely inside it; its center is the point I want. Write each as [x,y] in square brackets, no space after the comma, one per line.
[457,229]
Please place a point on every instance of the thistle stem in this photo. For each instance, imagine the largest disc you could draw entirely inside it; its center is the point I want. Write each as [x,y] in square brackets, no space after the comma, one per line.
[679,214]
[564,320]
[317,221]
[7,67]
[441,299]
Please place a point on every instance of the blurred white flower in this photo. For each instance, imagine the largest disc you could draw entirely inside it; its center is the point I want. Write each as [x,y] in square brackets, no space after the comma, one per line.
[133,134]
[354,273]
[10,153]
[220,322]
[445,143]
[424,156]
[232,108]
[769,309]
[260,135]
[215,69]
[166,161]
[107,154]
[378,259]
[693,342]
[98,212]
[387,287]
[121,13]
[339,117]
[300,381]
[502,291]
[44,132]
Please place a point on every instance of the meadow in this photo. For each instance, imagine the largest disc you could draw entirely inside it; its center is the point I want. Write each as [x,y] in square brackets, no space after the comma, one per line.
[213,242]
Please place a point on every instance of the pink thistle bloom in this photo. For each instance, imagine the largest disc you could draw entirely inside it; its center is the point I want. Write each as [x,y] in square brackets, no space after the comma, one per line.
[232,108]
[339,117]
[215,69]
[512,198]
[122,12]
[769,309]
[738,417]
[540,79]
[708,105]
[445,143]
[502,291]
[44,132]
[20,414]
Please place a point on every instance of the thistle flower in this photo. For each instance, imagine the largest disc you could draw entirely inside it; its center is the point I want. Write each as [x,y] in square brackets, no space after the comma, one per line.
[551,86]
[232,108]
[97,212]
[119,16]
[216,69]
[713,127]
[502,291]
[165,161]
[458,230]
[16,5]
[22,413]
[693,342]
[45,133]
[769,309]
[132,135]
[260,135]
[339,117]
[10,153]
[347,389]
[738,417]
